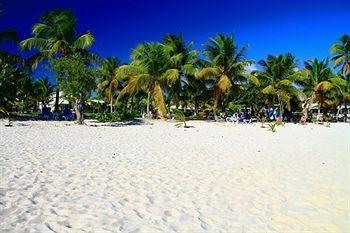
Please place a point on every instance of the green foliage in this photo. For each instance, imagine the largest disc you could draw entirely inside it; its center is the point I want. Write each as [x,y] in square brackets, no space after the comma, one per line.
[115,117]
[278,79]
[151,71]
[279,122]
[225,66]
[234,107]
[14,80]
[77,78]
[108,81]
[56,33]
[320,84]
[342,54]
[43,90]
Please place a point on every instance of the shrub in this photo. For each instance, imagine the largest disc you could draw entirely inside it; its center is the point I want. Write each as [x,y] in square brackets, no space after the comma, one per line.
[114,117]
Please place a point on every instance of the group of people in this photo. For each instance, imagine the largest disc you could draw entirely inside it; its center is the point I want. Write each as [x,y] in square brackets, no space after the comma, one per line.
[244,117]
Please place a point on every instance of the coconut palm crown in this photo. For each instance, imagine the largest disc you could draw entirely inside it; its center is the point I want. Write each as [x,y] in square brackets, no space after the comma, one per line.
[150,71]
[342,57]
[278,79]
[56,34]
[225,65]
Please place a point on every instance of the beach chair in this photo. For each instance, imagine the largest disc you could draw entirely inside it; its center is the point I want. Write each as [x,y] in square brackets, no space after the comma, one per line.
[67,114]
[46,113]
[233,119]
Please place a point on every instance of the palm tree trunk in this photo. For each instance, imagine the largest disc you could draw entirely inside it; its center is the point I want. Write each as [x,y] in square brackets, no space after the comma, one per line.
[57,99]
[216,102]
[319,107]
[281,107]
[195,107]
[79,112]
[148,103]
[111,104]
[346,111]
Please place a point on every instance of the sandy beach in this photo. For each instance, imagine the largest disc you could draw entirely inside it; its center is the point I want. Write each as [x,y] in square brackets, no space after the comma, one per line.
[154,177]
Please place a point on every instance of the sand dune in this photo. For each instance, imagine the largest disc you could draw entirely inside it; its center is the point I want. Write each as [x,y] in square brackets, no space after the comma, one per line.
[214,177]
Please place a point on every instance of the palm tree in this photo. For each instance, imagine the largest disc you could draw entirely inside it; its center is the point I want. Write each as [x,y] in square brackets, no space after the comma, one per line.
[278,79]
[318,82]
[342,57]
[342,90]
[109,81]
[226,66]
[151,71]
[56,35]
[44,89]
[184,59]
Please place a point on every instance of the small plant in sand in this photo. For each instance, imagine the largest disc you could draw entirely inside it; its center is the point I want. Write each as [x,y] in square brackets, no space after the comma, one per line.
[7,115]
[180,116]
[272,127]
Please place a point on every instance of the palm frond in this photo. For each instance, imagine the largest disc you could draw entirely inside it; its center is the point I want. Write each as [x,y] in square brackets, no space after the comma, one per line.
[224,83]
[172,75]
[208,72]
[269,90]
[84,41]
[34,43]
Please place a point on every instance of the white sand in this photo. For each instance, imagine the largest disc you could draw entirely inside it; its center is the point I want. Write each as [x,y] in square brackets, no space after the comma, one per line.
[215,177]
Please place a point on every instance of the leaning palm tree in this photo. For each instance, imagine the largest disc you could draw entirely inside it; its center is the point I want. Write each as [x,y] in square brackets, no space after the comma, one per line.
[278,78]
[342,51]
[150,71]
[56,35]
[109,82]
[318,83]
[225,66]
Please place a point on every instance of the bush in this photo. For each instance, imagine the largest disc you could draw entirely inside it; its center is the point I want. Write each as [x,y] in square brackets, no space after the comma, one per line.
[114,117]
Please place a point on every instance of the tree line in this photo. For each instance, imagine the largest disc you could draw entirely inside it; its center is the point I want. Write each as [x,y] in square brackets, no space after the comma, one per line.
[165,74]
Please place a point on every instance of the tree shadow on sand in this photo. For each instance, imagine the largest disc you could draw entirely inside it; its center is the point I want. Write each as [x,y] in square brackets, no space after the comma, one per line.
[135,122]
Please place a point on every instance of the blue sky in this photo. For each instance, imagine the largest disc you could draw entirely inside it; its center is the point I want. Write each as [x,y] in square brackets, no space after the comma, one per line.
[305,28]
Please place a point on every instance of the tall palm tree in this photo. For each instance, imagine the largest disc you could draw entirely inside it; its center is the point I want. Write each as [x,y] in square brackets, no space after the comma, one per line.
[184,59]
[278,79]
[56,35]
[342,51]
[225,65]
[109,82]
[151,71]
[318,83]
